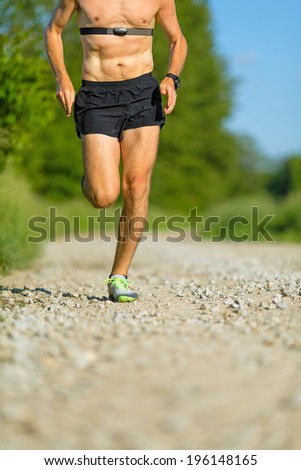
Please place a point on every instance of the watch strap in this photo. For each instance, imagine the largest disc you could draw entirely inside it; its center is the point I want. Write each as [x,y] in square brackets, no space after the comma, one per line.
[175,78]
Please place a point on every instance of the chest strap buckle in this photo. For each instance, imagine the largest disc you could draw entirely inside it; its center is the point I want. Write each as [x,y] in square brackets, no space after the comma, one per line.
[120,31]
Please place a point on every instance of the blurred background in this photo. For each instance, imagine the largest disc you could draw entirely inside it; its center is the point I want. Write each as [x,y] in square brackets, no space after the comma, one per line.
[233,141]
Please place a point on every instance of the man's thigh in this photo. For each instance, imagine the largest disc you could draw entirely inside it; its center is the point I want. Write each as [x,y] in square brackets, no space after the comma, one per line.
[139,150]
[101,158]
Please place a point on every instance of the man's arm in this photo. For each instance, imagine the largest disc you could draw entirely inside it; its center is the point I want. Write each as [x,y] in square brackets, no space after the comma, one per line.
[168,21]
[54,47]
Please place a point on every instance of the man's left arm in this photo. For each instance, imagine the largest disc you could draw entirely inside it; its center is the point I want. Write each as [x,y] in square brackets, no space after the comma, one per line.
[168,21]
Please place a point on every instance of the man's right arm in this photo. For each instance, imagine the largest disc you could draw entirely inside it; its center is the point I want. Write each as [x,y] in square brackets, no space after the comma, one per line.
[54,47]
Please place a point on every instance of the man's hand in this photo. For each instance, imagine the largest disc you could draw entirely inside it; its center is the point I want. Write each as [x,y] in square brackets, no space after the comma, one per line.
[167,87]
[66,95]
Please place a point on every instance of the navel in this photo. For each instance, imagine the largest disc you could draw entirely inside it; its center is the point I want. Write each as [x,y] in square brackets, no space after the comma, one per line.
[96,18]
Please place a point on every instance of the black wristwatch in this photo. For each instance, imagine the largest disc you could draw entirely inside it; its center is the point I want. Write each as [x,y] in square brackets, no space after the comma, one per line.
[175,78]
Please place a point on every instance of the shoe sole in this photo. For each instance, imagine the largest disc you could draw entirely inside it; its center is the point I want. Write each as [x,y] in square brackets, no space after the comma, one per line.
[123,299]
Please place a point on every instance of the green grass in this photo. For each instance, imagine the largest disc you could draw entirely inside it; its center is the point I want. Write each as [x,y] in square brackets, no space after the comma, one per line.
[283,226]
[17,203]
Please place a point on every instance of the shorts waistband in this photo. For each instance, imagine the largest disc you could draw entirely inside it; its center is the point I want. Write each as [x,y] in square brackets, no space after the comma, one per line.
[119,83]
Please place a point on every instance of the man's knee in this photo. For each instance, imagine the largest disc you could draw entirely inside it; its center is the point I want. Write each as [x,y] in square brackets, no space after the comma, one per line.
[103,200]
[99,198]
[136,187]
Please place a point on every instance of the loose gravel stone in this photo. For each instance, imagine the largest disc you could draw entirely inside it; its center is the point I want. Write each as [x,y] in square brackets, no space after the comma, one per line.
[208,358]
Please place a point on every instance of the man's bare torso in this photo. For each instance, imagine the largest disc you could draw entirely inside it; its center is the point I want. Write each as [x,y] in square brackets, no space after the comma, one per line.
[109,57]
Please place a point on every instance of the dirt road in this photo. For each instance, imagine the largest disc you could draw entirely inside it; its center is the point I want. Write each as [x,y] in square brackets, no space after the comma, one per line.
[210,357]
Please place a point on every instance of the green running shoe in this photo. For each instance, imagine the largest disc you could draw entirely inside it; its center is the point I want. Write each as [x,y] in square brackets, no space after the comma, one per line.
[120,289]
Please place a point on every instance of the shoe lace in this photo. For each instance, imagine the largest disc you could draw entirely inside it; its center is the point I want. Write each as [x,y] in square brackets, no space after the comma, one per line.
[119,283]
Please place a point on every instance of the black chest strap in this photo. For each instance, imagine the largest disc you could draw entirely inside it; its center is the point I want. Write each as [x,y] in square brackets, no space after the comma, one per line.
[120,31]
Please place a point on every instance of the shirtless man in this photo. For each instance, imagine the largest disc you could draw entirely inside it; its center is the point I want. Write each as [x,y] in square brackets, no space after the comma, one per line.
[118,110]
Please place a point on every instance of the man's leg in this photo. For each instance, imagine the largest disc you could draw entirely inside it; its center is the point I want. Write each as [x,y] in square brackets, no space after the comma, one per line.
[101,158]
[139,149]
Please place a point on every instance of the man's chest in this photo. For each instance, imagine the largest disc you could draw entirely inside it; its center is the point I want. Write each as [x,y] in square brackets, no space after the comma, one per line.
[107,12]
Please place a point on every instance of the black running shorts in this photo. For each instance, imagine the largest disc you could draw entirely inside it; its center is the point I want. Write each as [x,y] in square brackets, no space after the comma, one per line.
[111,107]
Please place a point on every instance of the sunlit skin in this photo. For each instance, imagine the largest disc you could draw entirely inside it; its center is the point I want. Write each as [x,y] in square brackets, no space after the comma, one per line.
[113,58]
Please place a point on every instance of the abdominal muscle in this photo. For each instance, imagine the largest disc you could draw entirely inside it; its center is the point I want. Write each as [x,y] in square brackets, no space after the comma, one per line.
[114,58]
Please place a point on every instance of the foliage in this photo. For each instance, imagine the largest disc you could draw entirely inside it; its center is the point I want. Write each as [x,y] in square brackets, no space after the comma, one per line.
[57,169]
[24,75]
[287,178]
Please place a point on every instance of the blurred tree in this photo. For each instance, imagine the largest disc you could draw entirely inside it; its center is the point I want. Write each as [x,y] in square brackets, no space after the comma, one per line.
[56,169]
[287,178]
[24,74]
[30,116]
[253,165]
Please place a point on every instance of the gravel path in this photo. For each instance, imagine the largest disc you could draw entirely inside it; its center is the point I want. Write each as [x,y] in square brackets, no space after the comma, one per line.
[210,357]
